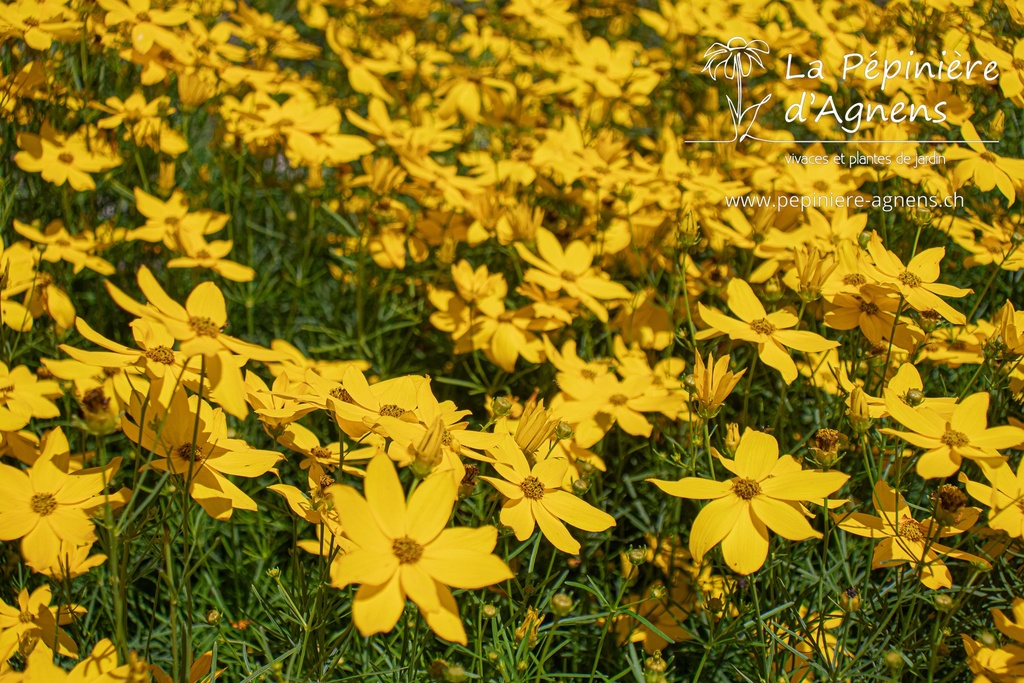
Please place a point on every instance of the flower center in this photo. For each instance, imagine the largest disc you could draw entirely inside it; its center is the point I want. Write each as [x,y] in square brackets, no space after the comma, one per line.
[746,488]
[587,373]
[320,452]
[950,498]
[909,279]
[342,395]
[989,157]
[868,307]
[953,438]
[160,354]
[25,617]
[95,401]
[191,452]
[762,326]
[407,550]
[204,327]
[854,279]
[66,158]
[568,276]
[391,410]
[618,400]
[43,504]
[911,529]
[532,488]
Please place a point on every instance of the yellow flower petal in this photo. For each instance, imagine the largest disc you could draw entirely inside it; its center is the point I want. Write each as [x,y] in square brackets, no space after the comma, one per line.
[745,547]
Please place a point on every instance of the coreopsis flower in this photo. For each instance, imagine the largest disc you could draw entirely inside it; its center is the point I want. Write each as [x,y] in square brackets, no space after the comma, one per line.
[190,439]
[906,540]
[274,407]
[535,498]
[712,384]
[293,363]
[198,327]
[965,434]
[25,395]
[571,270]
[404,551]
[60,158]
[38,23]
[47,505]
[770,331]
[202,254]
[909,389]
[147,24]
[765,494]
[1003,497]
[917,280]
[99,667]
[664,608]
[166,221]
[59,245]
[1004,664]
[987,169]
[32,621]
[596,406]
[873,309]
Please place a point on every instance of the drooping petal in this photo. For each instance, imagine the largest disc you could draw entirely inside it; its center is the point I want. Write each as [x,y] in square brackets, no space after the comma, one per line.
[372,567]
[712,524]
[376,609]
[576,512]
[429,508]
[745,547]
[553,529]
[518,515]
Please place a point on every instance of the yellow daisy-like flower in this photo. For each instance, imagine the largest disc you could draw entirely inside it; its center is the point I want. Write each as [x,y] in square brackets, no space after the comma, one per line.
[535,498]
[904,539]
[965,434]
[404,551]
[770,331]
[765,494]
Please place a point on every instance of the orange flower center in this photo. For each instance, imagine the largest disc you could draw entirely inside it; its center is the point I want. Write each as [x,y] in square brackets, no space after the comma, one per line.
[43,504]
[909,279]
[407,550]
[342,395]
[854,279]
[953,438]
[911,529]
[746,488]
[532,488]
[868,307]
[391,410]
[160,354]
[204,327]
[320,452]
[762,326]
[191,452]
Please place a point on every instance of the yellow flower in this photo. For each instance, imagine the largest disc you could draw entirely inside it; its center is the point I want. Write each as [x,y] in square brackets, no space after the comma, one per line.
[58,244]
[987,169]
[33,621]
[64,159]
[190,439]
[770,331]
[47,505]
[712,384]
[405,551]
[571,270]
[965,434]
[764,494]
[906,540]
[917,280]
[535,497]
[1004,664]
[1004,497]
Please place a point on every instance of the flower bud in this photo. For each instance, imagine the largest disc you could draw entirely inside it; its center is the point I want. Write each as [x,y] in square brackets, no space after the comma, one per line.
[99,414]
[563,430]
[274,573]
[690,383]
[455,674]
[656,664]
[468,484]
[914,398]
[213,617]
[827,443]
[581,486]
[658,592]
[859,412]
[987,639]
[732,438]
[772,290]
[864,239]
[637,556]
[561,604]
[943,603]
[427,453]
[893,659]
[489,611]
[849,600]
[501,406]
[949,501]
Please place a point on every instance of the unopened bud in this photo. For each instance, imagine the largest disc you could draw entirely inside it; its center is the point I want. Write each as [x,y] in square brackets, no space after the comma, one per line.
[732,438]
[864,239]
[859,412]
[637,556]
[914,398]
[489,611]
[849,600]
[563,430]
[893,659]
[772,290]
[949,501]
[213,617]
[455,674]
[658,592]
[581,486]
[274,573]
[987,639]
[690,383]
[501,406]
[943,603]
[656,664]
[561,604]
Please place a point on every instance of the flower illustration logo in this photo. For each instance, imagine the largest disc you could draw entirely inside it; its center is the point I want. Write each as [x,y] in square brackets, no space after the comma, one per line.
[736,60]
